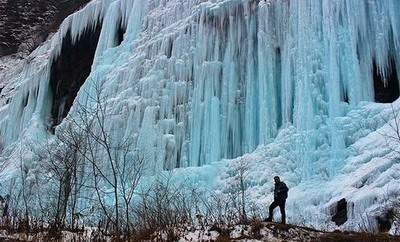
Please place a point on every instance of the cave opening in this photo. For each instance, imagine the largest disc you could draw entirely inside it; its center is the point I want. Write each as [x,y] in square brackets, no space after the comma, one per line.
[70,70]
[386,88]
[339,213]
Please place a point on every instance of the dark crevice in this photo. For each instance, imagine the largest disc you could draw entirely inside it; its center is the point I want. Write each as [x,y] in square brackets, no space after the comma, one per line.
[278,78]
[339,212]
[345,97]
[386,220]
[70,70]
[25,100]
[36,94]
[120,33]
[386,88]
[169,48]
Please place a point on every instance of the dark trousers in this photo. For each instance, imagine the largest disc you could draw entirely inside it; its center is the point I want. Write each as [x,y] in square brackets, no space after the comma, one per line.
[281,204]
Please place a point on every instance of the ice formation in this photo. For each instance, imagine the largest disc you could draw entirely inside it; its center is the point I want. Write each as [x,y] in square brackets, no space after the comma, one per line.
[216,79]
[195,81]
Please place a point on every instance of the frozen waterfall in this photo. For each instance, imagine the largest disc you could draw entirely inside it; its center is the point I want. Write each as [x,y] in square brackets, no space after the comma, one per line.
[195,81]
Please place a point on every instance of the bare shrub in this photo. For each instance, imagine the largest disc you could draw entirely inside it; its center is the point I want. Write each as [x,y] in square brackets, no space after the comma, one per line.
[392,137]
[63,169]
[164,206]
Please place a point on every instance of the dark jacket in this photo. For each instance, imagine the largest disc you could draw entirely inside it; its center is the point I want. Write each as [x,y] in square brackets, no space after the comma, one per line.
[280,191]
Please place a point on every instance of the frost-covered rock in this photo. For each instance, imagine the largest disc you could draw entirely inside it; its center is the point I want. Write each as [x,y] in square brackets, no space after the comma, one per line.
[25,24]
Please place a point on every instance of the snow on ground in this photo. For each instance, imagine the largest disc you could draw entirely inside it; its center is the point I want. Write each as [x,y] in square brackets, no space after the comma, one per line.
[258,231]
[88,234]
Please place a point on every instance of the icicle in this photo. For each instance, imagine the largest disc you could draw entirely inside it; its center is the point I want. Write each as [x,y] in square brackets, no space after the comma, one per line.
[198,81]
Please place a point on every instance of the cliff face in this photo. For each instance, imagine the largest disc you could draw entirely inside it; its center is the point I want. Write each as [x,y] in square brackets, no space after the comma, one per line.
[24,24]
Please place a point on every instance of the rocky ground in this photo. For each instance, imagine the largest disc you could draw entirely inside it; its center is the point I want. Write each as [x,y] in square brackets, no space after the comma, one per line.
[252,232]
[260,231]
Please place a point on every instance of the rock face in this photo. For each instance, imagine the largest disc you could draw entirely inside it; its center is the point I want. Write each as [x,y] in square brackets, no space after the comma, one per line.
[24,24]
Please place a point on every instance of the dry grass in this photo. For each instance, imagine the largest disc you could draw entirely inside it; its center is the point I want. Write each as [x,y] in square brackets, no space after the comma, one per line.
[223,238]
[256,226]
[357,237]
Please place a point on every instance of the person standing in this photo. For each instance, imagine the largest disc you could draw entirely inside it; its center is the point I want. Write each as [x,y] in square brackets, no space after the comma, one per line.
[280,196]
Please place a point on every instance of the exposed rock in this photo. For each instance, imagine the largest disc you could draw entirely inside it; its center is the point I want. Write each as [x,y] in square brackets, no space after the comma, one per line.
[385,221]
[24,24]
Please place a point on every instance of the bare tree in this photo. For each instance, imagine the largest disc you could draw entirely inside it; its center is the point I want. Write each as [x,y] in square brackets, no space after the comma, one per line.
[393,134]
[63,166]
[130,172]
[116,168]
[26,194]
[392,138]
[241,172]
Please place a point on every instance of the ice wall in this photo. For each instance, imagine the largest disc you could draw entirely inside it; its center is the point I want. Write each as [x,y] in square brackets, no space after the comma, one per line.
[27,111]
[195,81]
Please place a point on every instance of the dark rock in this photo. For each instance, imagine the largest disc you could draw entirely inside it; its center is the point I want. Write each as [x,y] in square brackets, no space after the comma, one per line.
[216,228]
[25,24]
[385,221]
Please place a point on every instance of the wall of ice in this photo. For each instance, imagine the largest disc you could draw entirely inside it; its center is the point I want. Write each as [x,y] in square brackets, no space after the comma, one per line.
[26,110]
[194,81]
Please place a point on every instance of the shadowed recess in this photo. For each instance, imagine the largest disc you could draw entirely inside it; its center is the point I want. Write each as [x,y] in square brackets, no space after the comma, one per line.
[70,70]
[386,89]
[120,33]
[339,215]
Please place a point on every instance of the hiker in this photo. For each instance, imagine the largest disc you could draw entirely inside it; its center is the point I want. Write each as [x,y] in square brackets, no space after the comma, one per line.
[280,195]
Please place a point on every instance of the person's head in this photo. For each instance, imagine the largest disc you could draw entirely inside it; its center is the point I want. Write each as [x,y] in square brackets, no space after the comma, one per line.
[277,179]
